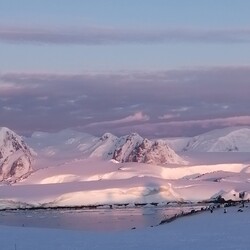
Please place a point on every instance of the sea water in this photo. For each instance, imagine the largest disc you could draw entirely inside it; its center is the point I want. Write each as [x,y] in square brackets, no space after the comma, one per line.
[99,219]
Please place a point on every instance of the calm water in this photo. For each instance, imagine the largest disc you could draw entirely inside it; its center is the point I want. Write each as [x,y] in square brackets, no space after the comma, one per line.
[92,219]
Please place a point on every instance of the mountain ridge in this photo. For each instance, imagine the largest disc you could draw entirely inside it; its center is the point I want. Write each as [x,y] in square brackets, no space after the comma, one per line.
[128,148]
[230,139]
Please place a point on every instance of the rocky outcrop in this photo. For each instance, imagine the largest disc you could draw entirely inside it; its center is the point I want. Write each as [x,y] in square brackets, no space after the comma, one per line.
[137,149]
[15,156]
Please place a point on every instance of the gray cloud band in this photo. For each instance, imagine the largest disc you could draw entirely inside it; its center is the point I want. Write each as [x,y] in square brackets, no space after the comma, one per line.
[175,102]
[105,36]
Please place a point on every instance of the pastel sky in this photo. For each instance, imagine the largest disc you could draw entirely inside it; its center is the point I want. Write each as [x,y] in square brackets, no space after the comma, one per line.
[156,67]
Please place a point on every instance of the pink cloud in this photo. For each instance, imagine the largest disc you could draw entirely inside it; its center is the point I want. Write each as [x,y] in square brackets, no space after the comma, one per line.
[8,87]
[136,117]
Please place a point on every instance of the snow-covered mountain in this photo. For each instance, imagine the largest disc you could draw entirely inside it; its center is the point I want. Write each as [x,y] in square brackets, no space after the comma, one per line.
[69,145]
[233,139]
[15,156]
[134,148]
[55,149]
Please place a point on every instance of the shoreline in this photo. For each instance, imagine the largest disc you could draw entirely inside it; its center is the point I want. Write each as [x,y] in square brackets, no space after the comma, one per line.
[165,214]
[216,206]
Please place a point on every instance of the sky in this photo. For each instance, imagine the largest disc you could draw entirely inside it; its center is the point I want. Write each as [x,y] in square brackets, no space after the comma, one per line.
[156,67]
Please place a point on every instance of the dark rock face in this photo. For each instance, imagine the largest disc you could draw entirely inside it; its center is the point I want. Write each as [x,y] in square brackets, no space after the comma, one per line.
[126,147]
[137,149]
[15,156]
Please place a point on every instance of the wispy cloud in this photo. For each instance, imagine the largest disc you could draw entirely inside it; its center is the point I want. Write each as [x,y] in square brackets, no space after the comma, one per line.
[9,87]
[181,109]
[134,118]
[11,109]
[168,116]
[220,122]
[184,127]
[103,35]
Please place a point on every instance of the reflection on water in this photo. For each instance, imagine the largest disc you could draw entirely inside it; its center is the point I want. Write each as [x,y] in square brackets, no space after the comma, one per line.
[92,219]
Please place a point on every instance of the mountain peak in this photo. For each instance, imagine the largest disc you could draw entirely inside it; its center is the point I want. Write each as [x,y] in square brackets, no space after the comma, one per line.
[107,136]
[15,156]
[133,148]
[147,151]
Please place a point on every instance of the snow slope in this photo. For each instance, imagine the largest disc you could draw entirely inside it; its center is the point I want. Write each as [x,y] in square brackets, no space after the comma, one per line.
[203,231]
[177,143]
[54,149]
[232,139]
[92,182]
[15,156]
